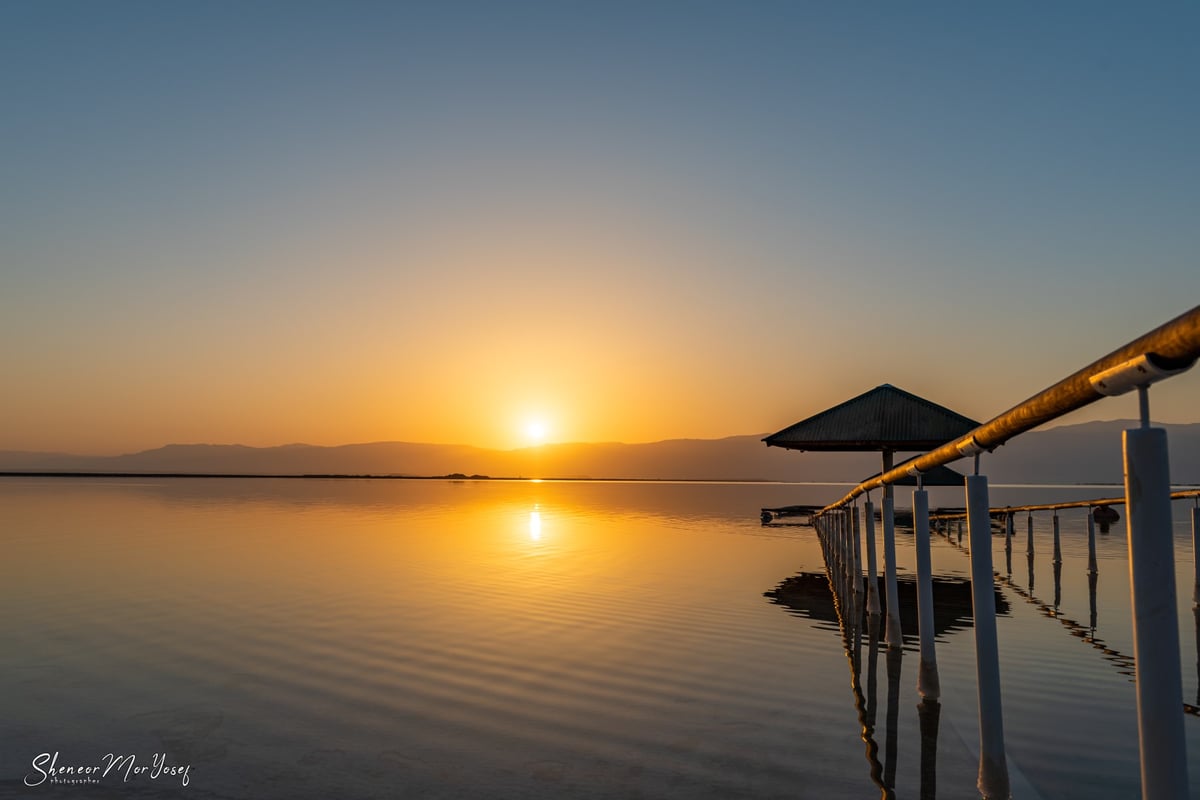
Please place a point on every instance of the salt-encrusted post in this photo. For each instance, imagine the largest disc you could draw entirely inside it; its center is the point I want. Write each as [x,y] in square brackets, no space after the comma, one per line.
[927,672]
[993,765]
[872,562]
[1155,620]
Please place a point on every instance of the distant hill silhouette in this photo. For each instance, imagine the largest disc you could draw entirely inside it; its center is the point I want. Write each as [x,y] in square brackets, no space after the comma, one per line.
[1086,453]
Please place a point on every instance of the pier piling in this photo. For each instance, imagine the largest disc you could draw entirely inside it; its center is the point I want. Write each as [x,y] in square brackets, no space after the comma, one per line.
[1155,622]
[993,764]
[894,635]
[872,561]
[927,672]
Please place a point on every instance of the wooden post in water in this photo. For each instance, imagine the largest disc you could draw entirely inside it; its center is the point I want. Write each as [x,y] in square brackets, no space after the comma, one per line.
[872,562]
[857,533]
[1196,554]
[894,636]
[847,545]
[1009,529]
[1029,534]
[1092,569]
[1155,621]
[847,553]
[927,672]
[1057,543]
[993,765]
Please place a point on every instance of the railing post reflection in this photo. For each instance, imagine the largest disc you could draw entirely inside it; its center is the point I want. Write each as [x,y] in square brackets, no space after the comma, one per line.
[929,712]
[1093,579]
[872,561]
[870,710]
[850,620]
[1029,535]
[872,670]
[1057,586]
[993,764]
[895,659]
[927,671]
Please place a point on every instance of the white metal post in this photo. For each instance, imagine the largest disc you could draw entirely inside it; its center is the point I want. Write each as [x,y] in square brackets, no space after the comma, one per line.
[894,637]
[927,673]
[872,563]
[993,765]
[1155,620]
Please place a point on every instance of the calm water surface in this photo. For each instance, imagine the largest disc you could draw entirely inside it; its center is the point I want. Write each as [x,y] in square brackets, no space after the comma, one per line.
[427,639]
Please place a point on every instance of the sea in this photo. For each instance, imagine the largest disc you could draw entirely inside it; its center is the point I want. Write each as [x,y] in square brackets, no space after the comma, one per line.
[259,638]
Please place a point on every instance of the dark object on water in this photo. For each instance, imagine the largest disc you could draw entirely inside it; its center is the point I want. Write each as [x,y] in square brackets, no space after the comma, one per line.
[794,515]
[1105,516]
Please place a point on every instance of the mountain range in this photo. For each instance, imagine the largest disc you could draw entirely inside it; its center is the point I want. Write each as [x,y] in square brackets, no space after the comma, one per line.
[1084,453]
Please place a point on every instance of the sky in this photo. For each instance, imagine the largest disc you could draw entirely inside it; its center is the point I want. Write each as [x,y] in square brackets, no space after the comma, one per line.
[331,222]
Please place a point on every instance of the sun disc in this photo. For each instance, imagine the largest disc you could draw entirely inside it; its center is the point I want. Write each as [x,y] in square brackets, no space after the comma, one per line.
[536,430]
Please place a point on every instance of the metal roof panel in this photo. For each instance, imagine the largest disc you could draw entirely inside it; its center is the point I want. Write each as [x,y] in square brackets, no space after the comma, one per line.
[884,418]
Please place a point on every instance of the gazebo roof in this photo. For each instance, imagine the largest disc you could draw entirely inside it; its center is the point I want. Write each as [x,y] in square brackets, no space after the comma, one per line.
[885,418]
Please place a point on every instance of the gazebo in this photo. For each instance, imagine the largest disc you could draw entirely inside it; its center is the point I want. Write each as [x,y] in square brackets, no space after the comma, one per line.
[887,420]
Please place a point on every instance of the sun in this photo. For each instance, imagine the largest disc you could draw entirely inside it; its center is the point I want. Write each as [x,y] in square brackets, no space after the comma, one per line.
[536,430]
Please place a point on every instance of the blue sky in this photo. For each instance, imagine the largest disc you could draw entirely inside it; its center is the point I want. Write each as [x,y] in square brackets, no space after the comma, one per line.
[330,222]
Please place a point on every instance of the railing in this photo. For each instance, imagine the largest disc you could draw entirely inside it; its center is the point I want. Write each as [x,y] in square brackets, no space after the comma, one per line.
[1167,350]
[1163,352]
